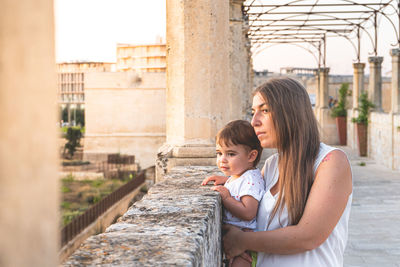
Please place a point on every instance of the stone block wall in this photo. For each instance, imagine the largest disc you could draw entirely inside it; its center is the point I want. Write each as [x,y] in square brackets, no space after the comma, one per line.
[178,223]
[384,139]
[124,111]
[380,141]
[396,142]
[351,130]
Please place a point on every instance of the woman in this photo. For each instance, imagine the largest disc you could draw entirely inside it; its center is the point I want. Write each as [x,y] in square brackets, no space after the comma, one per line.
[303,217]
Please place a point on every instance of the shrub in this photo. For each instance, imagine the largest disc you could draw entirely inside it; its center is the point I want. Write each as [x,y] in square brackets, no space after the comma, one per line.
[69,178]
[340,109]
[65,205]
[65,189]
[70,215]
[364,109]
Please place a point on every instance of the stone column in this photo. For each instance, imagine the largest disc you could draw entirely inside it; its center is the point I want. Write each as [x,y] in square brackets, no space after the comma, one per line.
[198,86]
[358,88]
[240,77]
[327,123]
[375,82]
[323,90]
[29,217]
[395,53]
[358,82]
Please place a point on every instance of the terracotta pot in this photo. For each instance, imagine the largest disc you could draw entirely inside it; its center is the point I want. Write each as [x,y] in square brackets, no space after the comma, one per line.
[362,138]
[341,124]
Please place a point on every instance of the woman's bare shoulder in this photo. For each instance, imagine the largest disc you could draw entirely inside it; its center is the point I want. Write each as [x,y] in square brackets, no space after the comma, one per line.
[334,168]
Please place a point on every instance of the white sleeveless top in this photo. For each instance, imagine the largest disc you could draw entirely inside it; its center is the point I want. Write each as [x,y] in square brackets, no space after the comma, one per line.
[329,253]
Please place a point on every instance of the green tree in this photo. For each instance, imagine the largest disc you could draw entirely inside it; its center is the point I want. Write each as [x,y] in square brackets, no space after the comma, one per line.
[73,136]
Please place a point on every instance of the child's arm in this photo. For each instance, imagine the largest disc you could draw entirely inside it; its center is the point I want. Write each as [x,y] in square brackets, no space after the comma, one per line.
[217,180]
[245,209]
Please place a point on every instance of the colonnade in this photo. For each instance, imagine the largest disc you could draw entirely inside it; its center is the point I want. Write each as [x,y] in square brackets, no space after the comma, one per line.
[383,129]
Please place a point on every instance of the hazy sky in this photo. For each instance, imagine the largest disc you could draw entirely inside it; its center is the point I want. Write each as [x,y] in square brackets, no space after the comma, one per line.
[90,30]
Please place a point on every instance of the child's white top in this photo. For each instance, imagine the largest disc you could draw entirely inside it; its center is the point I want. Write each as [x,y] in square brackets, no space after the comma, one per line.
[250,183]
[330,253]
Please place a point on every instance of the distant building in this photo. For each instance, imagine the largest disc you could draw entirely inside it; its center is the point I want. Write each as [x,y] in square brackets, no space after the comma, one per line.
[141,58]
[70,82]
[85,66]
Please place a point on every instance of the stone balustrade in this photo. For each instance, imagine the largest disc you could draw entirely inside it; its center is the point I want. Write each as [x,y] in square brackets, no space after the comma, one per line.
[178,223]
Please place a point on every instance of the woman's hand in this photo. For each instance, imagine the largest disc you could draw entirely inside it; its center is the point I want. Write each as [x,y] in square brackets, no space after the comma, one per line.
[232,240]
[218,180]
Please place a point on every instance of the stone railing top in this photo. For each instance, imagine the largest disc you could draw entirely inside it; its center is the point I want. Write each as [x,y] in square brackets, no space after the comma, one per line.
[176,224]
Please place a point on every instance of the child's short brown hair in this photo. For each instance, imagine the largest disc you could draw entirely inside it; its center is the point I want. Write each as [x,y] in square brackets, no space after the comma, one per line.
[240,132]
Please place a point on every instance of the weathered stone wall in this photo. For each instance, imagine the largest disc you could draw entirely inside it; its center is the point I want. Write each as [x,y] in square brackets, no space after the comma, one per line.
[178,223]
[396,142]
[384,139]
[124,111]
[380,141]
[351,130]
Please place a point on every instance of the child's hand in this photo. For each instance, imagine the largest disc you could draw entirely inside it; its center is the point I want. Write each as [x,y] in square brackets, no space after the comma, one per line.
[224,192]
[217,180]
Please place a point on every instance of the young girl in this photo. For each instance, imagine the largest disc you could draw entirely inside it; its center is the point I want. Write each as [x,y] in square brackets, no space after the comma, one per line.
[238,153]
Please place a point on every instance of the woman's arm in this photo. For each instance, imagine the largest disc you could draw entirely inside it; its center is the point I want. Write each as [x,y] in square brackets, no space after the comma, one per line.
[326,202]
[245,209]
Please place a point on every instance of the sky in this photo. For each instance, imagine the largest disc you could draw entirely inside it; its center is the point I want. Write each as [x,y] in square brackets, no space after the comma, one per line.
[90,29]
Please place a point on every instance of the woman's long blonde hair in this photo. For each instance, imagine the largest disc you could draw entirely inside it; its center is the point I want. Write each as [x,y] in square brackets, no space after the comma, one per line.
[298,142]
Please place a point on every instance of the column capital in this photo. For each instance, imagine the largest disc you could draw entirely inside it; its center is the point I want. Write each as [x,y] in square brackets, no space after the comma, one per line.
[375,60]
[324,70]
[359,65]
[395,52]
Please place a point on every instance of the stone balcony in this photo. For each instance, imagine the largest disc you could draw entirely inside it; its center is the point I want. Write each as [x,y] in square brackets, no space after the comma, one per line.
[178,223]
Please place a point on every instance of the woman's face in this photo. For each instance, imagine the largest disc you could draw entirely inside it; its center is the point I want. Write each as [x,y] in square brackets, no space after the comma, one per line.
[262,122]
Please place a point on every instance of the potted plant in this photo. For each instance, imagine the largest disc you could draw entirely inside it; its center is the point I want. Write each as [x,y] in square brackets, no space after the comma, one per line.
[361,121]
[339,112]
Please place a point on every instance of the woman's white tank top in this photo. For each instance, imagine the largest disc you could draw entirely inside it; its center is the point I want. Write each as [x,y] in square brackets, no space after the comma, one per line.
[330,253]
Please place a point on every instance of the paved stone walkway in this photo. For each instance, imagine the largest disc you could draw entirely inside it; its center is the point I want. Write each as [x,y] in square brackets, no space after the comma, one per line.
[374,227]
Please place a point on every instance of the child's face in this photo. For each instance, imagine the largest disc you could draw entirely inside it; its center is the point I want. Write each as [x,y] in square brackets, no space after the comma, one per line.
[234,160]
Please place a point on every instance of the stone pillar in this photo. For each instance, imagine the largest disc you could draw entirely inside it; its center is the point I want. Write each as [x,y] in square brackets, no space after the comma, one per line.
[395,53]
[375,82]
[323,90]
[29,217]
[358,88]
[198,86]
[241,67]
[327,123]
[358,82]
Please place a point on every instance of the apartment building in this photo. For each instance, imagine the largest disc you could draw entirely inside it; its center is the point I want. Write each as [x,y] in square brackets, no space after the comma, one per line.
[70,81]
[141,58]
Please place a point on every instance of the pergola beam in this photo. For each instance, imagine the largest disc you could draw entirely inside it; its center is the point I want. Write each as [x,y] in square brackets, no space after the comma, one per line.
[324,5]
